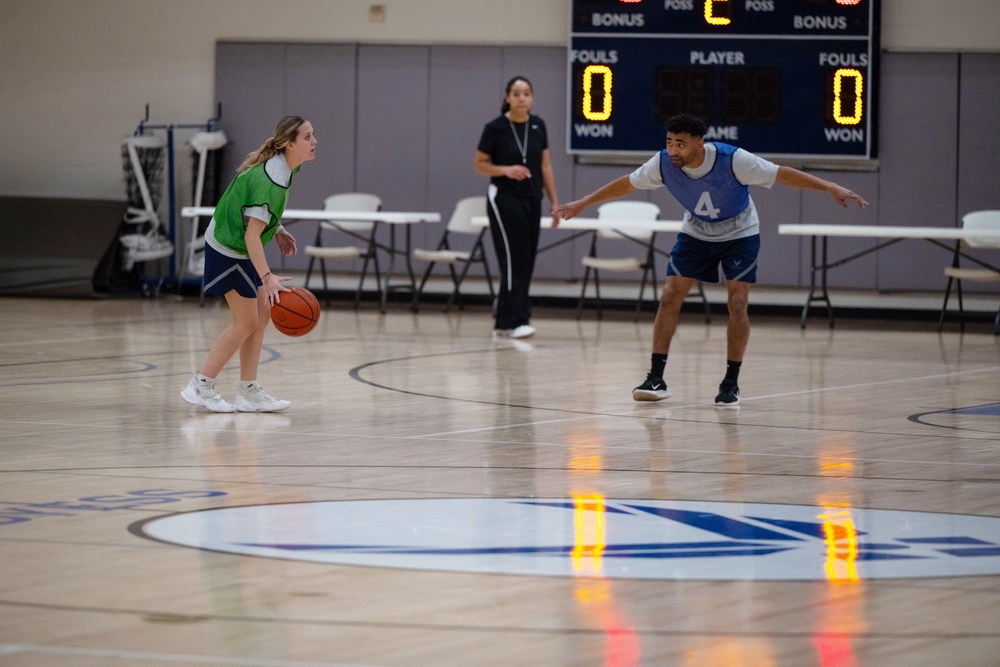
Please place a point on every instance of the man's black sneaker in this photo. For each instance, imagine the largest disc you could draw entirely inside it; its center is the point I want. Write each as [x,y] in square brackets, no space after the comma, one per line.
[729,395]
[653,389]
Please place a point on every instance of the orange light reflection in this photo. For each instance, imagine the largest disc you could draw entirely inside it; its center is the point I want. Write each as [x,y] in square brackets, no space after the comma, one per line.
[593,591]
[841,546]
[589,538]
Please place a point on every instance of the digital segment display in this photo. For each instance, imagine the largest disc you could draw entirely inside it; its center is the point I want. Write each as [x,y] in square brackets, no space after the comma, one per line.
[781,78]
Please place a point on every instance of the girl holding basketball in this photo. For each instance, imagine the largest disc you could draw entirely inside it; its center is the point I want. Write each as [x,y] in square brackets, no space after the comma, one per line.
[246,219]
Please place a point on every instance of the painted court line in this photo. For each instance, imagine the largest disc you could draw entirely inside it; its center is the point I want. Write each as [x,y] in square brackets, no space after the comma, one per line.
[187,659]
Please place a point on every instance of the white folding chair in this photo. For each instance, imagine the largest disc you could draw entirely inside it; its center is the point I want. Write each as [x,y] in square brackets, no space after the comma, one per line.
[361,230]
[459,261]
[630,210]
[971,221]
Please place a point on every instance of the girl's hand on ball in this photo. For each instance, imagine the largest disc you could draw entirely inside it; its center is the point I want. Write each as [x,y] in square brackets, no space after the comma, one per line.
[274,288]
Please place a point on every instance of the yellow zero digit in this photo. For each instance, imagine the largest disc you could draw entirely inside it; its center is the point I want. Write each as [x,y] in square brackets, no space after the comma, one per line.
[853,116]
[588,99]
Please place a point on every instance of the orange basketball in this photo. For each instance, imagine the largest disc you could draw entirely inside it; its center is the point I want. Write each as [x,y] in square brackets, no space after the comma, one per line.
[297,313]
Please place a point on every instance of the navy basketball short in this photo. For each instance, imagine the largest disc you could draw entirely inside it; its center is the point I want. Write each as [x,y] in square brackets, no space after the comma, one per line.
[223,274]
[694,258]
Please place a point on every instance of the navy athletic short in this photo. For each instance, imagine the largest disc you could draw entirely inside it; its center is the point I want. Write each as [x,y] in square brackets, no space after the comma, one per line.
[223,274]
[694,258]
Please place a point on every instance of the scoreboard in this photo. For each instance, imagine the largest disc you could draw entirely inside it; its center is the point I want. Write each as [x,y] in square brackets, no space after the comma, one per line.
[793,79]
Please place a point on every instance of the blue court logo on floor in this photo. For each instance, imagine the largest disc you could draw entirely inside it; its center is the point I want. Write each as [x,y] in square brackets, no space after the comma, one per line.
[588,535]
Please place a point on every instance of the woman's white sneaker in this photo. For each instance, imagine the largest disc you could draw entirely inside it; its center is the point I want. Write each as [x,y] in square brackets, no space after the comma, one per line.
[255,399]
[206,395]
[523,331]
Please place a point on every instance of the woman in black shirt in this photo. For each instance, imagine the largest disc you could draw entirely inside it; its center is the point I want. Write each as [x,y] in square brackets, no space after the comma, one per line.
[514,152]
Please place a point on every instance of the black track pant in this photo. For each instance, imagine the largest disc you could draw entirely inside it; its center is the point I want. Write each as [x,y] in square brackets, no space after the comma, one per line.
[514,224]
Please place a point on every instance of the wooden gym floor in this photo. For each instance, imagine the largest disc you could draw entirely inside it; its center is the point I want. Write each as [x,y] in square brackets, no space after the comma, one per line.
[517,484]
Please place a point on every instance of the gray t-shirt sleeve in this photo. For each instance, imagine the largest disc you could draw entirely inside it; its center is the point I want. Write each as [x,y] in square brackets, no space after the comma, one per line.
[260,212]
[751,169]
[647,177]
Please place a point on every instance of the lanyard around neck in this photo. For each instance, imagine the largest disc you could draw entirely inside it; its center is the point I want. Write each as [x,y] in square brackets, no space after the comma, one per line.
[521,147]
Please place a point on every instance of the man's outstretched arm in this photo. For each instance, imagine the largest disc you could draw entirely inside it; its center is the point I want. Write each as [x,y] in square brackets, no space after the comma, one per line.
[799,179]
[616,189]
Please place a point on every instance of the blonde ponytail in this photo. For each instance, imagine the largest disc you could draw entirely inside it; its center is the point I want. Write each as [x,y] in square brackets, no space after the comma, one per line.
[284,132]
